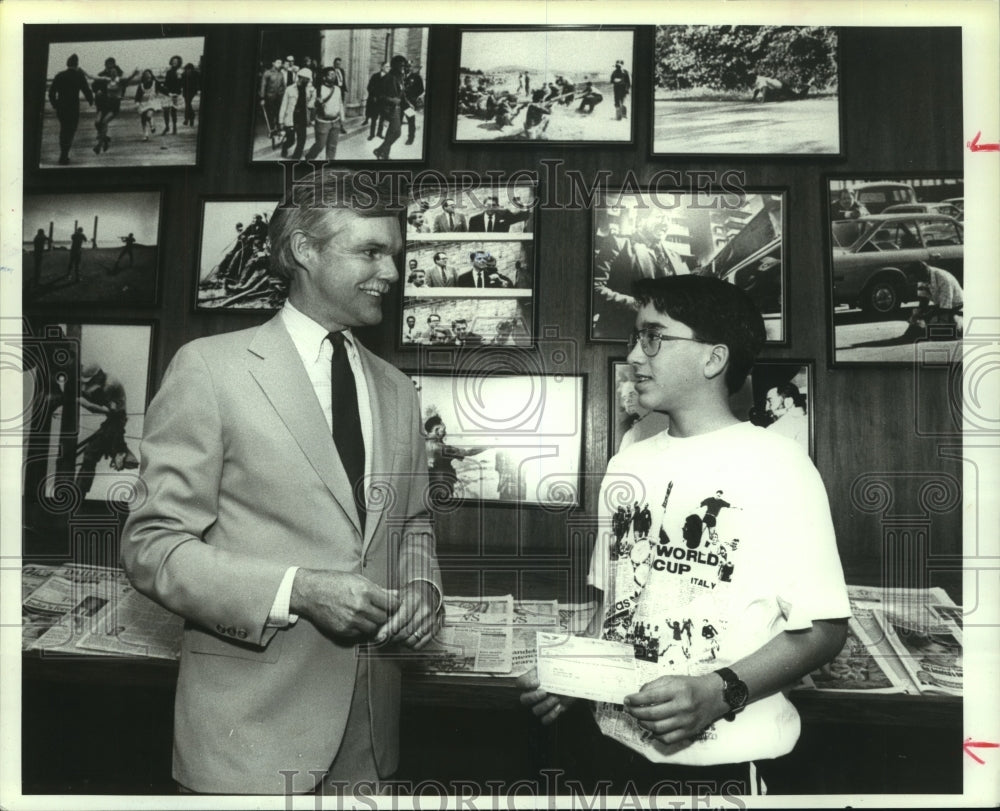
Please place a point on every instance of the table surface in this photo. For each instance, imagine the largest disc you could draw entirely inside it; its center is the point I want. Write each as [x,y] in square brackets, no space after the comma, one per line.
[501,693]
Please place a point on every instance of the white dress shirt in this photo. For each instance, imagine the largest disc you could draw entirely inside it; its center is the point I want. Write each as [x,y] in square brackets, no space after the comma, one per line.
[316,352]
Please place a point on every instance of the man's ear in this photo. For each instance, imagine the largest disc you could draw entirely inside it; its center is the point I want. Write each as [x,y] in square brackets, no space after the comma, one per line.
[718,360]
[303,249]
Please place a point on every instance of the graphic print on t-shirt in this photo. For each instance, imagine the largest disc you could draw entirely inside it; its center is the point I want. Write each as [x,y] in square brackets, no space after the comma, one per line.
[668,585]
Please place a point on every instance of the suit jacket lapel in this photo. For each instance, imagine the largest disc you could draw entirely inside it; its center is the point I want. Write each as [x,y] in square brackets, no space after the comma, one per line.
[278,370]
[382,398]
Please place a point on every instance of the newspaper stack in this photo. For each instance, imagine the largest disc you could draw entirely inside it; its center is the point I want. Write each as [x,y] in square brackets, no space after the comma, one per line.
[899,641]
[81,609]
[495,636]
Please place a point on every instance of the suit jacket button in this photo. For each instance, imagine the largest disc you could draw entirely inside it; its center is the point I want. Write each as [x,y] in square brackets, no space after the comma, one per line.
[241,633]
[230,631]
[220,628]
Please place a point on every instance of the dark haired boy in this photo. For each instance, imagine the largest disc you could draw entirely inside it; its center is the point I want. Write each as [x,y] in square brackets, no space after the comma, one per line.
[747,562]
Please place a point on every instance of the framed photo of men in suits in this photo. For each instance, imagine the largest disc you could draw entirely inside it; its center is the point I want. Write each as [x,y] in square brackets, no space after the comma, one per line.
[469,267]
[555,85]
[735,235]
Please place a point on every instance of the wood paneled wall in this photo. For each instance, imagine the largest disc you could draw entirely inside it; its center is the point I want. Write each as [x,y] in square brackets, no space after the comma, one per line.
[901,92]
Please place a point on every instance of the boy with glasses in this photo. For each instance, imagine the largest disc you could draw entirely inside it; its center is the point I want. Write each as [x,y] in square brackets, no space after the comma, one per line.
[746,564]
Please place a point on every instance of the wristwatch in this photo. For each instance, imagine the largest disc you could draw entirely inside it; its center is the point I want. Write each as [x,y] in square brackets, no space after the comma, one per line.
[734,692]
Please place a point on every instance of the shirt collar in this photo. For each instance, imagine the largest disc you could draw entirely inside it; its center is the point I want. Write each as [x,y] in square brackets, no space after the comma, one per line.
[308,335]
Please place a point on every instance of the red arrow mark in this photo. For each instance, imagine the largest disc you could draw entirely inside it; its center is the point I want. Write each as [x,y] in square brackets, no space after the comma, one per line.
[970,744]
[975,146]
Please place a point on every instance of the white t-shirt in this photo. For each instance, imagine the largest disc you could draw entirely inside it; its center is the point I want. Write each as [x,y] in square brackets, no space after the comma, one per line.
[710,546]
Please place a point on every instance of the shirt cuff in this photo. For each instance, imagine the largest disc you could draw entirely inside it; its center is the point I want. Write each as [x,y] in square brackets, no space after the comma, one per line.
[280,615]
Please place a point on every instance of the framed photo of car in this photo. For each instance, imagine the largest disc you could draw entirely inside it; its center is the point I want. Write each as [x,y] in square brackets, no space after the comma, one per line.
[737,236]
[503,438]
[783,398]
[896,266]
[96,248]
[132,99]
[89,383]
[555,85]
[628,421]
[469,265]
[747,90]
[234,270]
[364,87]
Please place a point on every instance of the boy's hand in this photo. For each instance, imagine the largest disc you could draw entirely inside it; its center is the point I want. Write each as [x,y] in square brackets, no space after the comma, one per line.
[545,706]
[675,708]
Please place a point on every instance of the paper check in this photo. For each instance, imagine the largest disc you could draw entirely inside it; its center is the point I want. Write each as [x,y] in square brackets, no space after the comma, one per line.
[586,668]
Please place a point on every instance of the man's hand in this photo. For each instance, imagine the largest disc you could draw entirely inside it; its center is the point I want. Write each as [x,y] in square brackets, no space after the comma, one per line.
[676,708]
[546,706]
[341,603]
[415,620]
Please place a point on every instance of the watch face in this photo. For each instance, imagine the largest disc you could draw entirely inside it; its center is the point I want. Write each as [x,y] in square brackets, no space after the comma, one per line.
[736,694]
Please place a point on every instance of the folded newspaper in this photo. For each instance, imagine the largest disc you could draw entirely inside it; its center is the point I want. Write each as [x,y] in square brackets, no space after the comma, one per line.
[93,610]
[495,636]
[899,641]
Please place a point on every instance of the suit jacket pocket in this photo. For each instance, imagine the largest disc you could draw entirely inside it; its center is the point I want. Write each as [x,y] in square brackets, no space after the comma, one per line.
[202,642]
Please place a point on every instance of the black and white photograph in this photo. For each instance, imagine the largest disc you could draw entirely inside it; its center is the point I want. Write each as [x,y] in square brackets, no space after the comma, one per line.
[100,247]
[628,421]
[234,267]
[897,262]
[480,321]
[562,86]
[746,90]
[734,236]
[796,440]
[105,406]
[469,267]
[782,391]
[478,210]
[505,438]
[340,94]
[114,103]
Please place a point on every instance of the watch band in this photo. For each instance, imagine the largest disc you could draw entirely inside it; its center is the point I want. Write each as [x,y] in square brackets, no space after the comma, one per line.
[734,692]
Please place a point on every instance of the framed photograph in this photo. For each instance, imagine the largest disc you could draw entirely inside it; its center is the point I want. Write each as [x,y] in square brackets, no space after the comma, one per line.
[737,236]
[469,267]
[628,422]
[364,90]
[746,90]
[99,247]
[896,267]
[561,85]
[89,386]
[782,392]
[122,102]
[234,258]
[508,438]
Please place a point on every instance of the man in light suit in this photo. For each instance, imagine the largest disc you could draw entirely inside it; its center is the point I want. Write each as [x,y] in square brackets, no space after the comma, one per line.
[300,588]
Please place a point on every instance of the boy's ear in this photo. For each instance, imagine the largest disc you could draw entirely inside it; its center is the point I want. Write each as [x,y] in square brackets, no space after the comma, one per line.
[717,362]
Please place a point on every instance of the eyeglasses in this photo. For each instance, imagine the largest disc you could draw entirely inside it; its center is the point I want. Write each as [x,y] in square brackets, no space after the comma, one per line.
[650,340]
